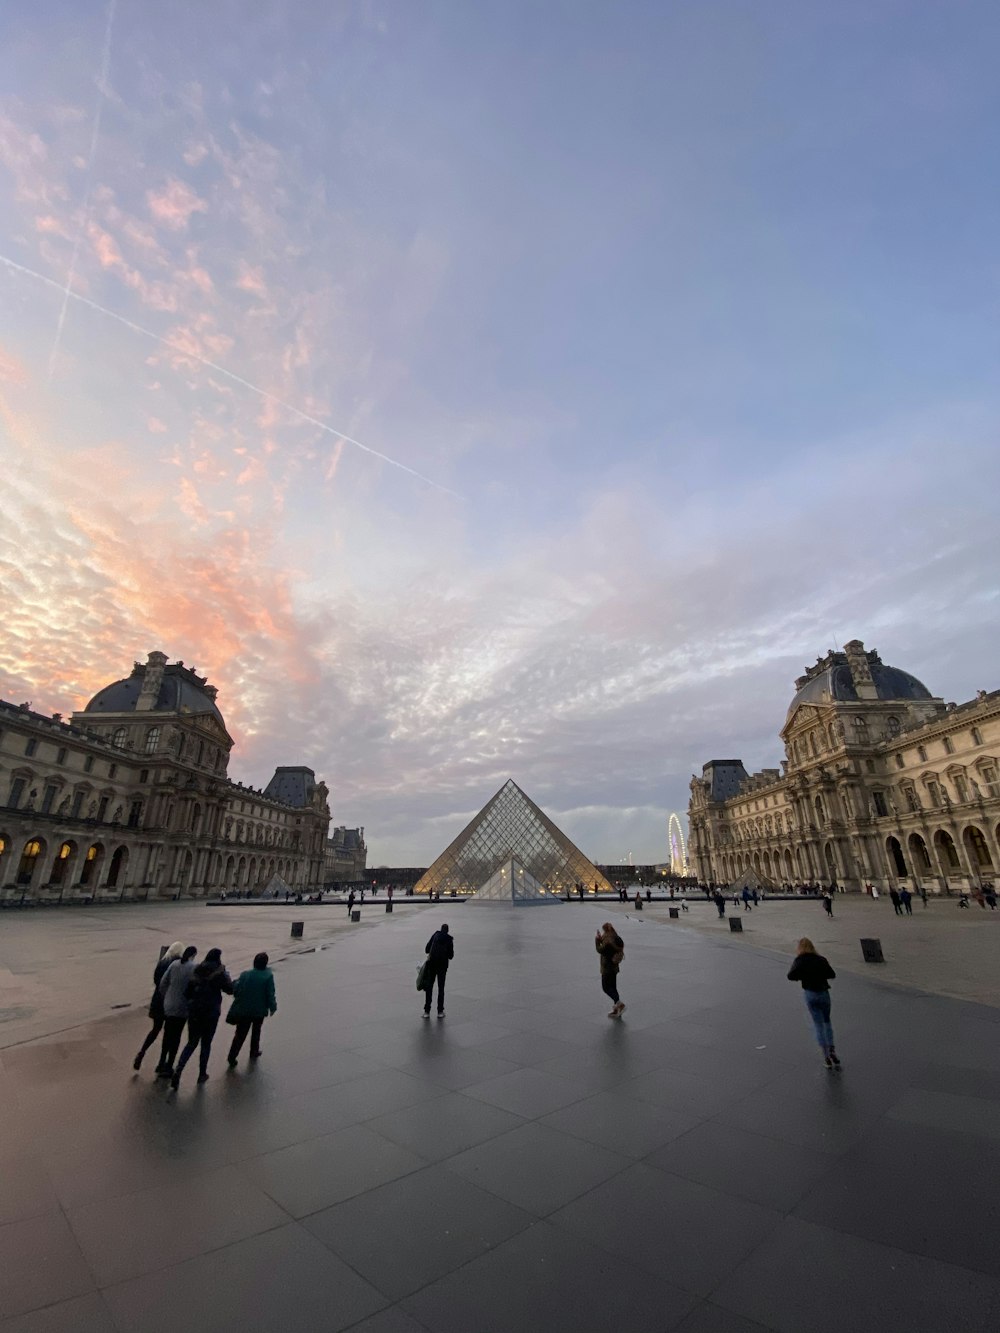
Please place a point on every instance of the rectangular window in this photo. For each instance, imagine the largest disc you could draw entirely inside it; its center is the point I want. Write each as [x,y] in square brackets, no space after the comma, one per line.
[102,809]
[61,755]
[977,736]
[870,765]
[134,811]
[48,796]
[112,770]
[922,753]
[16,792]
[990,778]
[961,787]
[143,774]
[88,763]
[911,798]
[878,798]
[948,747]
[30,746]
[77,805]
[899,761]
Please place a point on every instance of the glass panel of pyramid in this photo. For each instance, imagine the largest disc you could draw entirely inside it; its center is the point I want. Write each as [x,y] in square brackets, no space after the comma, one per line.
[510,825]
[513,884]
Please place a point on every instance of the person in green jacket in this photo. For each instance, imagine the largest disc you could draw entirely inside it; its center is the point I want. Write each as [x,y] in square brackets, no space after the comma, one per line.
[253,1000]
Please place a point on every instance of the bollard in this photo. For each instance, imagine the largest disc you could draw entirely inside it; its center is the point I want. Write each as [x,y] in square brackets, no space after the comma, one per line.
[674,913]
[638,904]
[736,925]
[872,951]
[297,930]
[356,915]
[388,908]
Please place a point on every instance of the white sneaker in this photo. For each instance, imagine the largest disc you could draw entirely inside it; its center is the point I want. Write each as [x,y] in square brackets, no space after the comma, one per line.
[614,1012]
[619,1008]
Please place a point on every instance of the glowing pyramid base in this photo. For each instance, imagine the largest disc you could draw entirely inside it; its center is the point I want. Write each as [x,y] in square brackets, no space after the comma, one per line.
[513,884]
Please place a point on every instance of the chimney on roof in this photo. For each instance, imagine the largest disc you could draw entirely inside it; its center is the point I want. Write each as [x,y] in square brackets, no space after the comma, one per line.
[211,691]
[857,660]
[152,680]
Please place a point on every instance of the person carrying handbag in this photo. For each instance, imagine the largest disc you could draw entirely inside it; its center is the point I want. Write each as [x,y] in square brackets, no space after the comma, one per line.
[253,1001]
[610,945]
[440,951]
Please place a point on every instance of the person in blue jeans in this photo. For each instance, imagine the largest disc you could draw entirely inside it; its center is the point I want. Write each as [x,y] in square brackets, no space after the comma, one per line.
[815,973]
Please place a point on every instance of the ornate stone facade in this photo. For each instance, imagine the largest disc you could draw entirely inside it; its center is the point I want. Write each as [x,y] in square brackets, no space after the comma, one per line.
[130,798]
[346,858]
[881,784]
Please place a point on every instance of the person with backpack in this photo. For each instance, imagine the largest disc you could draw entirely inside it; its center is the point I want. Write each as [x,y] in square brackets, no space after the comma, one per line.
[611,947]
[173,988]
[440,951]
[156,1003]
[253,1000]
[204,1000]
[815,973]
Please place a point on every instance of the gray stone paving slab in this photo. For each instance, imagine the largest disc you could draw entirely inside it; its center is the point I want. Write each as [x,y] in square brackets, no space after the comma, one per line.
[523,1163]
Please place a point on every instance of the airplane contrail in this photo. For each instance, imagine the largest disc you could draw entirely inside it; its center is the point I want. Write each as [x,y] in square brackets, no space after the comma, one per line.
[221,370]
[94,136]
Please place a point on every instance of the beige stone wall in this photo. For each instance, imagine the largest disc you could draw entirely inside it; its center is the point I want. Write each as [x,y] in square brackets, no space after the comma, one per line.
[871,792]
[140,808]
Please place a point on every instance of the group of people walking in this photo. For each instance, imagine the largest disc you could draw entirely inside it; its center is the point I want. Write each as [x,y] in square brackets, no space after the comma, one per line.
[188,993]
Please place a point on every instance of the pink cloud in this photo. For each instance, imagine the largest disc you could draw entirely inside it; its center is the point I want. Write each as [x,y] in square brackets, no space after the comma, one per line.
[174,204]
[155,426]
[252,280]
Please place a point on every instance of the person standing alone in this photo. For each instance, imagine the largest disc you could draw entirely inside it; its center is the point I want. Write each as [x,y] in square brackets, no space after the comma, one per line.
[815,973]
[611,947]
[253,1000]
[440,951]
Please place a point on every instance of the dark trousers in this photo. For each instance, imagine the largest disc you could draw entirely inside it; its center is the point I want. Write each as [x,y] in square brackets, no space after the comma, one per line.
[243,1026]
[173,1030]
[200,1034]
[436,973]
[152,1035]
[609,985]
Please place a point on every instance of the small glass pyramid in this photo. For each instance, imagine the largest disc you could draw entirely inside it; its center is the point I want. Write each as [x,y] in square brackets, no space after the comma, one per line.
[513,884]
[509,827]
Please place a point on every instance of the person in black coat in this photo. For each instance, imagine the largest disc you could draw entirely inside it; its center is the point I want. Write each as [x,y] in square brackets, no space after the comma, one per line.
[204,1000]
[440,951]
[815,973]
[156,1003]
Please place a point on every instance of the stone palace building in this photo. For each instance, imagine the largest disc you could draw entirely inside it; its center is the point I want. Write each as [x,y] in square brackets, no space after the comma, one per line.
[882,783]
[130,798]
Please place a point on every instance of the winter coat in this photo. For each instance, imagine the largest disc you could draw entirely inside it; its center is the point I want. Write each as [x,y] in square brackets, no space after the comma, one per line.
[173,985]
[612,950]
[204,990]
[812,970]
[254,995]
[156,1001]
[440,949]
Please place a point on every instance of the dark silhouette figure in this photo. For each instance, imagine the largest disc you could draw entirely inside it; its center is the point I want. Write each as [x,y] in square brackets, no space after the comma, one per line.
[440,951]
[610,946]
[156,1001]
[896,907]
[204,996]
[720,903]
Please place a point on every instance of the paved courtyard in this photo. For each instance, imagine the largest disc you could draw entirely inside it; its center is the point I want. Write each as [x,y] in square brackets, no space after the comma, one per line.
[524,1163]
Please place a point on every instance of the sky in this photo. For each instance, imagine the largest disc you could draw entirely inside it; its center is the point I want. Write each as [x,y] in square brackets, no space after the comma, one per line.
[515,389]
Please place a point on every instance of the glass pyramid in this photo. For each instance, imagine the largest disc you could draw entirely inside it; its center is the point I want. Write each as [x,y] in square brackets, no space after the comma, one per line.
[510,825]
[513,884]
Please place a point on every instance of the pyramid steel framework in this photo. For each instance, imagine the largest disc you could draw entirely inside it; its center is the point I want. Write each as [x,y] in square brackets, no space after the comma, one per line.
[513,884]
[510,825]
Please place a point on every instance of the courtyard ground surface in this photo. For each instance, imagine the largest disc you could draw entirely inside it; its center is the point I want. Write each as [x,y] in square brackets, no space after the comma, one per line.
[522,1164]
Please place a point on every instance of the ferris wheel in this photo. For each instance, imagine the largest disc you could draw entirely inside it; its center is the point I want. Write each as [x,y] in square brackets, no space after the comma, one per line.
[676,845]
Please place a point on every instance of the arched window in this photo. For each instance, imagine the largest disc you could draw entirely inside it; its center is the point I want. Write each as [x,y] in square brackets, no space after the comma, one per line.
[29,859]
[119,738]
[152,739]
[892,726]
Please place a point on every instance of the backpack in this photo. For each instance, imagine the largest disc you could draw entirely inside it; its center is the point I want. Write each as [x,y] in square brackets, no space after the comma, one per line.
[200,993]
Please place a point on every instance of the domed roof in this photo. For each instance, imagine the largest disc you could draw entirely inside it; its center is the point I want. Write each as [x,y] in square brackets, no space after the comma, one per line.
[832,680]
[180,691]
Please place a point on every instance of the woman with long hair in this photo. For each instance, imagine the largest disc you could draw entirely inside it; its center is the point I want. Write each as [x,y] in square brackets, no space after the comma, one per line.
[610,946]
[156,1003]
[815,973]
